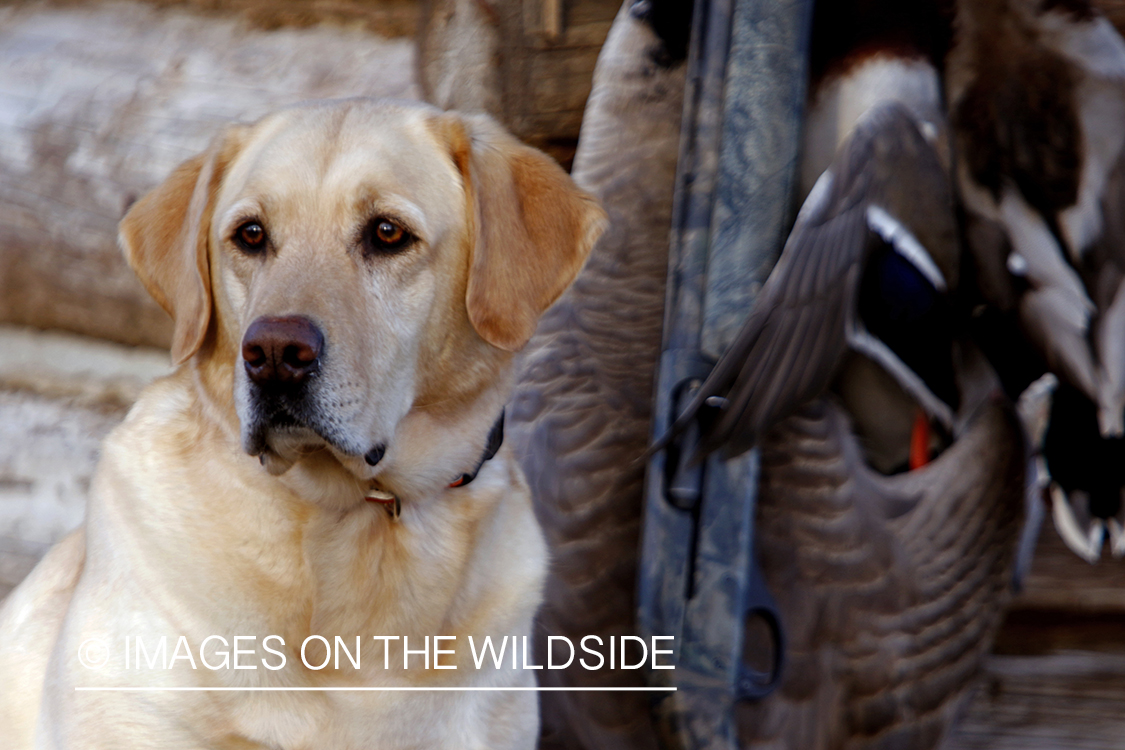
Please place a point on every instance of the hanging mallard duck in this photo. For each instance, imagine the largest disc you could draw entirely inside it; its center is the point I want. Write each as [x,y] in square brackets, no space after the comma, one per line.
[1036,96]
[892,464]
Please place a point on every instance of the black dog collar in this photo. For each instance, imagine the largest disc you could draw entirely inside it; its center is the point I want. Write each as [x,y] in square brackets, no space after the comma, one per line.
[391,502]
[495,440]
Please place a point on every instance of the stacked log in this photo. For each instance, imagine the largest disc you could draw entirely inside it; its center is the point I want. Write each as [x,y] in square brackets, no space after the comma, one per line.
[99,102]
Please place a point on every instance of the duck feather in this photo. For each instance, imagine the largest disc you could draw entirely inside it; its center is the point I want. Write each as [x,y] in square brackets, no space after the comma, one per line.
[805,317]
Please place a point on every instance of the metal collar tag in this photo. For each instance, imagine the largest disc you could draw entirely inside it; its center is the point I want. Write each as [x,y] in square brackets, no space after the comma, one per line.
[390,502]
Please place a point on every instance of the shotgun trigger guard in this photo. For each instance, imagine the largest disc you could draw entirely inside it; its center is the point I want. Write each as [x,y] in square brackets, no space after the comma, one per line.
[683,485]
[753,684]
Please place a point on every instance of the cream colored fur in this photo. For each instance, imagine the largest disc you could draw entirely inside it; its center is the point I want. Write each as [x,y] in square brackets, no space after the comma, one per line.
[187,534]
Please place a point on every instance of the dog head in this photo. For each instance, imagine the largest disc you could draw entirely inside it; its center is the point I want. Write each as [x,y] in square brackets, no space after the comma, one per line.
[338,265]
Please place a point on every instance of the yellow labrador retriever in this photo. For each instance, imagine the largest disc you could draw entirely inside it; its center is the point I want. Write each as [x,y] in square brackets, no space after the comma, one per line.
[311,500]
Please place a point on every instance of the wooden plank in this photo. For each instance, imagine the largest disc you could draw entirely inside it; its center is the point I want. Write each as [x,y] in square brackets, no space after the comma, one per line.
[1066,701]
[1056,680]
[560,95]
[552,17]
[99,102]
[1060,580]
[387,18]
[516,60]
[590,35]
[580,12]
[545,122]
[562,63]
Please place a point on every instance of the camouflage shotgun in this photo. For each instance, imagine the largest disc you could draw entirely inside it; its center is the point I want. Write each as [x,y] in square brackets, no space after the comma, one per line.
[734,206]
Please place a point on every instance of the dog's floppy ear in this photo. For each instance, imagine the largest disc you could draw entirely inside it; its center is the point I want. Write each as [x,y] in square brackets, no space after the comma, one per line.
[164,237]
[533,229]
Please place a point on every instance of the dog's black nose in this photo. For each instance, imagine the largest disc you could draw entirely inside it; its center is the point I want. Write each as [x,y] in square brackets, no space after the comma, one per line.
[282,351]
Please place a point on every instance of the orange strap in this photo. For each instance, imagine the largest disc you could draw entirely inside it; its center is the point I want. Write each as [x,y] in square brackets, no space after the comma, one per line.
[920,441]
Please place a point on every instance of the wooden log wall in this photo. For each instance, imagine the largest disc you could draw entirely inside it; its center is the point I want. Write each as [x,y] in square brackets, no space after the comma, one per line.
[530,63]
[99,101]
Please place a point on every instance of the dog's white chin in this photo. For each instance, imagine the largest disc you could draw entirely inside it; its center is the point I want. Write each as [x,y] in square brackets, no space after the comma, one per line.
[274,463]
[286,447]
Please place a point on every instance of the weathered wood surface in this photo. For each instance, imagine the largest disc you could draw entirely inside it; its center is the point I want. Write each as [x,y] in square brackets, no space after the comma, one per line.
[1065,701]
[386,18]
[530,63]
[1059,580]
[1057,678]
[60,395]
[48,449]
[99,102]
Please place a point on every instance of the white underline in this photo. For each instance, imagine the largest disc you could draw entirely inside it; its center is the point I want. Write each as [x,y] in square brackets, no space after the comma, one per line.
[373,689]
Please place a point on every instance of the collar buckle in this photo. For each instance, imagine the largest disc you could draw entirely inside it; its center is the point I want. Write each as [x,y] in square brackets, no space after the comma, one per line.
[390,502]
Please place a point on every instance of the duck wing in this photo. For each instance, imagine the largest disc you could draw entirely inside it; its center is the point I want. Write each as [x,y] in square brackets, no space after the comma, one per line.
[805,317]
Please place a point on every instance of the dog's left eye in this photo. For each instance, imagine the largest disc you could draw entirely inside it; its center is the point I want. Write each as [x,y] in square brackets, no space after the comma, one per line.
[250,236]
[385,235]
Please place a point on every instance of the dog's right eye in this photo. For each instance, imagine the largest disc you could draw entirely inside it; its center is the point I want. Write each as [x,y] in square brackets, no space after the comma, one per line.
[386,236]
[250,236]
